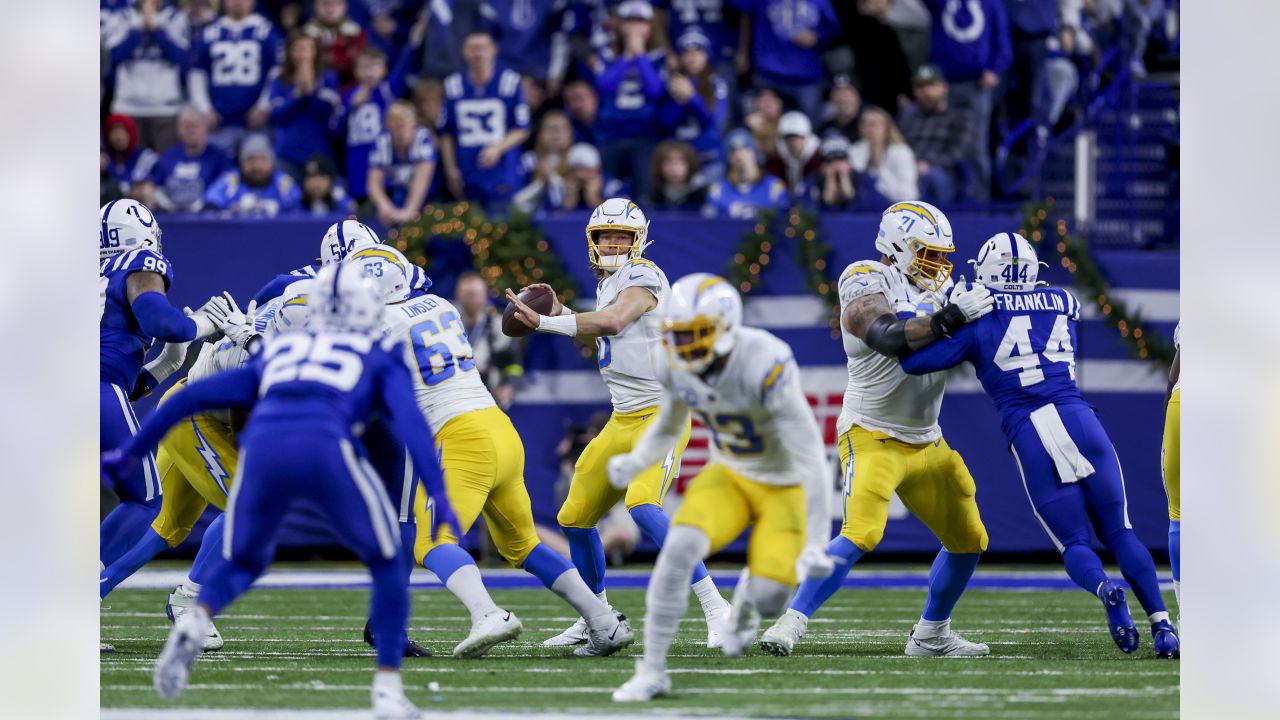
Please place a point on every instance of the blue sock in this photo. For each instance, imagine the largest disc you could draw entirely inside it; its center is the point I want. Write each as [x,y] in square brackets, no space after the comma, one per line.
[408,538]
[142,551]
[546,564]
[445,560]
[947,580]
[813,593]
[588,556]
[123,527]
[389,612]
[1084,566]
[1175,548]
[1138,568]
[209,556]
[654,525]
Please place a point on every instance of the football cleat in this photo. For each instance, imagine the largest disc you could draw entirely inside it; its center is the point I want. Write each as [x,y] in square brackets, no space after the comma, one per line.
[1167,643]
[389,703]
[181,601]
[575,635]
[609,639]
[644,686]
[494,627]
[1119,621]
[180,652]
[715,618]
[946,644]
[106,648]
[739,628]
[781,638]
[412,648]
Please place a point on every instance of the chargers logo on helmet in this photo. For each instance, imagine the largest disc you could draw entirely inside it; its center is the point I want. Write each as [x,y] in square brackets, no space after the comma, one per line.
[616,214]
[1007,262]
[127,225]
[387,267]
[344,237]
[700,320]
[917,237]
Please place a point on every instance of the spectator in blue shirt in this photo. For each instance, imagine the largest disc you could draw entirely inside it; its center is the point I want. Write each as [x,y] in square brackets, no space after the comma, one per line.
[696,106]
[322,192]
[583,106]
[181,175]
[745,189]
[629,82]
[148,51]
[303,98]
[234,57]
[787,38]
[256,188]
[532,40]
[400,166]
[482,125]
[720,24]
[359,121]
[127,162]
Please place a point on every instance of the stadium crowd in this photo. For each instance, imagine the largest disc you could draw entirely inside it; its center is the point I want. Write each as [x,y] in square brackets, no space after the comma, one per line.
[376,107]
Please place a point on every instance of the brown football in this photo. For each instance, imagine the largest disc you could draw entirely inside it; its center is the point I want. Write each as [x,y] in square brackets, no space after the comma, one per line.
[539,299]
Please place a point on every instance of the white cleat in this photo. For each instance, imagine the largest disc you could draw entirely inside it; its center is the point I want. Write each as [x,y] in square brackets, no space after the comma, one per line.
[575,635]
[781,638]
[180,653]
[609,639]
[494,627]
[389,703]
[181,601]
[739,629]
[644,686]
[716,618]
[945,644]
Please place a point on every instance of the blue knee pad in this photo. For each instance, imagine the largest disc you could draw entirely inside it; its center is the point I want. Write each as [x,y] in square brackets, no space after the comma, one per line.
[813,593]
[445,560]
[654,524]
[588,556]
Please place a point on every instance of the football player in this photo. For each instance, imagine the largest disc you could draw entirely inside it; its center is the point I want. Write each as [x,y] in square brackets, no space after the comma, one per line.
[133,278]
[625,330]
[889,437]
[307,390]
[483,459]
[1170,466]
[1024,352]
[768,471]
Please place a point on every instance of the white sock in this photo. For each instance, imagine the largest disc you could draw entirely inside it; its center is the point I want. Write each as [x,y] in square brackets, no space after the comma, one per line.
[1158,617]
[574,591]
[466,585]
[932,628]
[804,619]
[666,600]
[192,586]
[603,595]
[708,595]
[388,681]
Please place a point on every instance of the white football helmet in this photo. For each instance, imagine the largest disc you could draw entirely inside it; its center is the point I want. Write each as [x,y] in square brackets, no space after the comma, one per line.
[700,320]
[344,299]
[344,237]
[287,312]
[127,225]
[617,214]
[917,238]
[1007,262]
[388,268]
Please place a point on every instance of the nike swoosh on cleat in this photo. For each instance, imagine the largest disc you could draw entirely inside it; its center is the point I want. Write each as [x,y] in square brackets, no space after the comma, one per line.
[615,631]
[508,617]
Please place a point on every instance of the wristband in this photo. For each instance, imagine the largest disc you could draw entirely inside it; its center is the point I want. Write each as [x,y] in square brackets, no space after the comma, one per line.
[559,324]
[946,321]
[564,310]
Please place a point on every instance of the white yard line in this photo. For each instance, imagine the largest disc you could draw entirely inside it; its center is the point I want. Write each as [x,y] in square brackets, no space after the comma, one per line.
[329,714]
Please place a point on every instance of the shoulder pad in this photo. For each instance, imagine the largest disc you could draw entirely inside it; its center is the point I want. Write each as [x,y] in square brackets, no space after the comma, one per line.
[144,260]
[862,278]
[1177,336]
[639,272]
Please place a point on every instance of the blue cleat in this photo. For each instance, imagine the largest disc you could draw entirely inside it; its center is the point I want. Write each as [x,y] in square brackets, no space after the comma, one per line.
[1119,621]
[1166,640]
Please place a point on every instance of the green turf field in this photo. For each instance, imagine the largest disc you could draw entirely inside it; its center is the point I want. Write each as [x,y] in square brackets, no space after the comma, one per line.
[1051,658]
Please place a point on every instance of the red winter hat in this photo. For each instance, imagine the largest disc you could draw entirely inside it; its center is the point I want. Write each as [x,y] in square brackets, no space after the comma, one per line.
[127,123]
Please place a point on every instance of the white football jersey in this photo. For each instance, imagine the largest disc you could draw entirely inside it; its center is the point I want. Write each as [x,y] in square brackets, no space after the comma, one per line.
[880,396]
[739,406]
[629,361]
[439,357]
[1177,346]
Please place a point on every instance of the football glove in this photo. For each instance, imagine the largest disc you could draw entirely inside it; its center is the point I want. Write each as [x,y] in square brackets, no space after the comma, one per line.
[973,300]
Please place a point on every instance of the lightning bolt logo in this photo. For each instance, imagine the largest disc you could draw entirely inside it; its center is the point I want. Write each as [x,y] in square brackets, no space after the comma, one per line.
[212,462]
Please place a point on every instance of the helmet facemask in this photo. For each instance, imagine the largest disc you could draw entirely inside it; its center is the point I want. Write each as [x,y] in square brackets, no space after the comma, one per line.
[929,267]
[692,344]
[611,262]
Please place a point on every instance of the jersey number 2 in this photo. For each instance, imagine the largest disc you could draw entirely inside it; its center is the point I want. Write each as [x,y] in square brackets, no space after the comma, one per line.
[1026,363]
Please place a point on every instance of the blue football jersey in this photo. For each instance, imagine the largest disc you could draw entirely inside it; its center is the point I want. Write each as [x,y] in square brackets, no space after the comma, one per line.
[1023,351]
[237,56]
[122,344]
[360,125]
[726,200]
[479,116]
[184,179]
[397,168]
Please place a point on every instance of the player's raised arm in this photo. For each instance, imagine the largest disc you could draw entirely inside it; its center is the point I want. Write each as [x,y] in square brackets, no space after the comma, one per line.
[632,302]
[941,354]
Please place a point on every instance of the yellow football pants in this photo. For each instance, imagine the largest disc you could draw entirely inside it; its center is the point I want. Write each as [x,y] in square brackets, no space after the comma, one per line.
[723,503]
[1170,465]
[196,461]
[931,480]
[483,461]
[590,494]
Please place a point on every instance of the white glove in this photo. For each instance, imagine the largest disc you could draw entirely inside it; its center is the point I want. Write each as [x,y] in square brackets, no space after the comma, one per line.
[622,469]
[205,326]
[240,325]
[973,300]
[814,563]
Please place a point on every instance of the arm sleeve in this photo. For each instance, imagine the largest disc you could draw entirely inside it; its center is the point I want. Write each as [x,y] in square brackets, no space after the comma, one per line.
[663,434]
[610,78]
[124,47]
[799,433]
[650,79]
[940,354]
[173,45]
[1000,36]
[161,320]
[231,389]
[410,426]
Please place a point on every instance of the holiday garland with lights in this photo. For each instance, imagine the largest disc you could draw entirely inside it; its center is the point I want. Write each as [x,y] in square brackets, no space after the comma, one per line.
[752,256]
